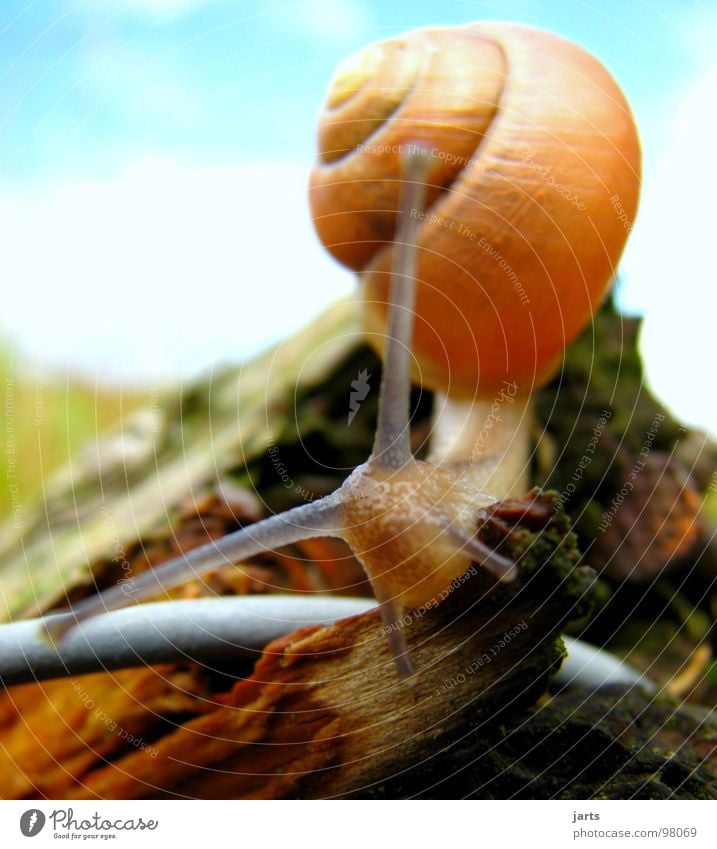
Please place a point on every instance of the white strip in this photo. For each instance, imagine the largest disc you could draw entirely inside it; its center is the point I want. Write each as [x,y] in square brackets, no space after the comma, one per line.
[356,825]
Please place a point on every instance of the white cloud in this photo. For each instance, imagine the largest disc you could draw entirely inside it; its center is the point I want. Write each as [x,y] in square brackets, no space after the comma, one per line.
[164,271]
[669,264]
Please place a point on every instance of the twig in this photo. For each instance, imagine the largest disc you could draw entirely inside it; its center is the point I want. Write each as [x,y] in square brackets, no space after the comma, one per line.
[202,630]
[212,630]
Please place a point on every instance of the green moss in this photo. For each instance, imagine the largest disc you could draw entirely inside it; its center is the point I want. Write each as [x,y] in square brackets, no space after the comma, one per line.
[546,550]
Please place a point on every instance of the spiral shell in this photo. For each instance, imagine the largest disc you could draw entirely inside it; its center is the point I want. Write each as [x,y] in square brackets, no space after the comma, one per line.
[534,184]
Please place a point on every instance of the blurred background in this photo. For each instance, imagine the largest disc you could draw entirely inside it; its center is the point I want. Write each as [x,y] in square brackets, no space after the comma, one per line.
[153,203]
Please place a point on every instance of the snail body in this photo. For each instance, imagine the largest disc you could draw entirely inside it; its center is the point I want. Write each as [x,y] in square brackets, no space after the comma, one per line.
[419,151]
[408,524]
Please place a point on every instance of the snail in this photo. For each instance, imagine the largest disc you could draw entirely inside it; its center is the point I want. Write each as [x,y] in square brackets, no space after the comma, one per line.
[475,178]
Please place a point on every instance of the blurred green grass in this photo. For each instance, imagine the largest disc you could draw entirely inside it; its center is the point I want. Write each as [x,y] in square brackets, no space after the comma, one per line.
[46,417]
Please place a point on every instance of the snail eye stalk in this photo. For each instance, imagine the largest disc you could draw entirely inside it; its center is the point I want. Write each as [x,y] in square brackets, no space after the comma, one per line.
[392,444]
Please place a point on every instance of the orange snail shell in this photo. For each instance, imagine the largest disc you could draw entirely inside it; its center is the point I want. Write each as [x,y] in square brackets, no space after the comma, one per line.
[534,181]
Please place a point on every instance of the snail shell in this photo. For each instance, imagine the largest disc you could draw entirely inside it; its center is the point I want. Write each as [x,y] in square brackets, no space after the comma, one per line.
[533,185]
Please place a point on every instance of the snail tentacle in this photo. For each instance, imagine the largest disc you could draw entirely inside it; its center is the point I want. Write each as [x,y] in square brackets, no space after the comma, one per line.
[392,443]
[503,568]
[319,518]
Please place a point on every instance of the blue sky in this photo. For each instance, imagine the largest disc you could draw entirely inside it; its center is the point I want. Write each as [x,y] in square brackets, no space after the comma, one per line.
[88,87]
[154,156]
